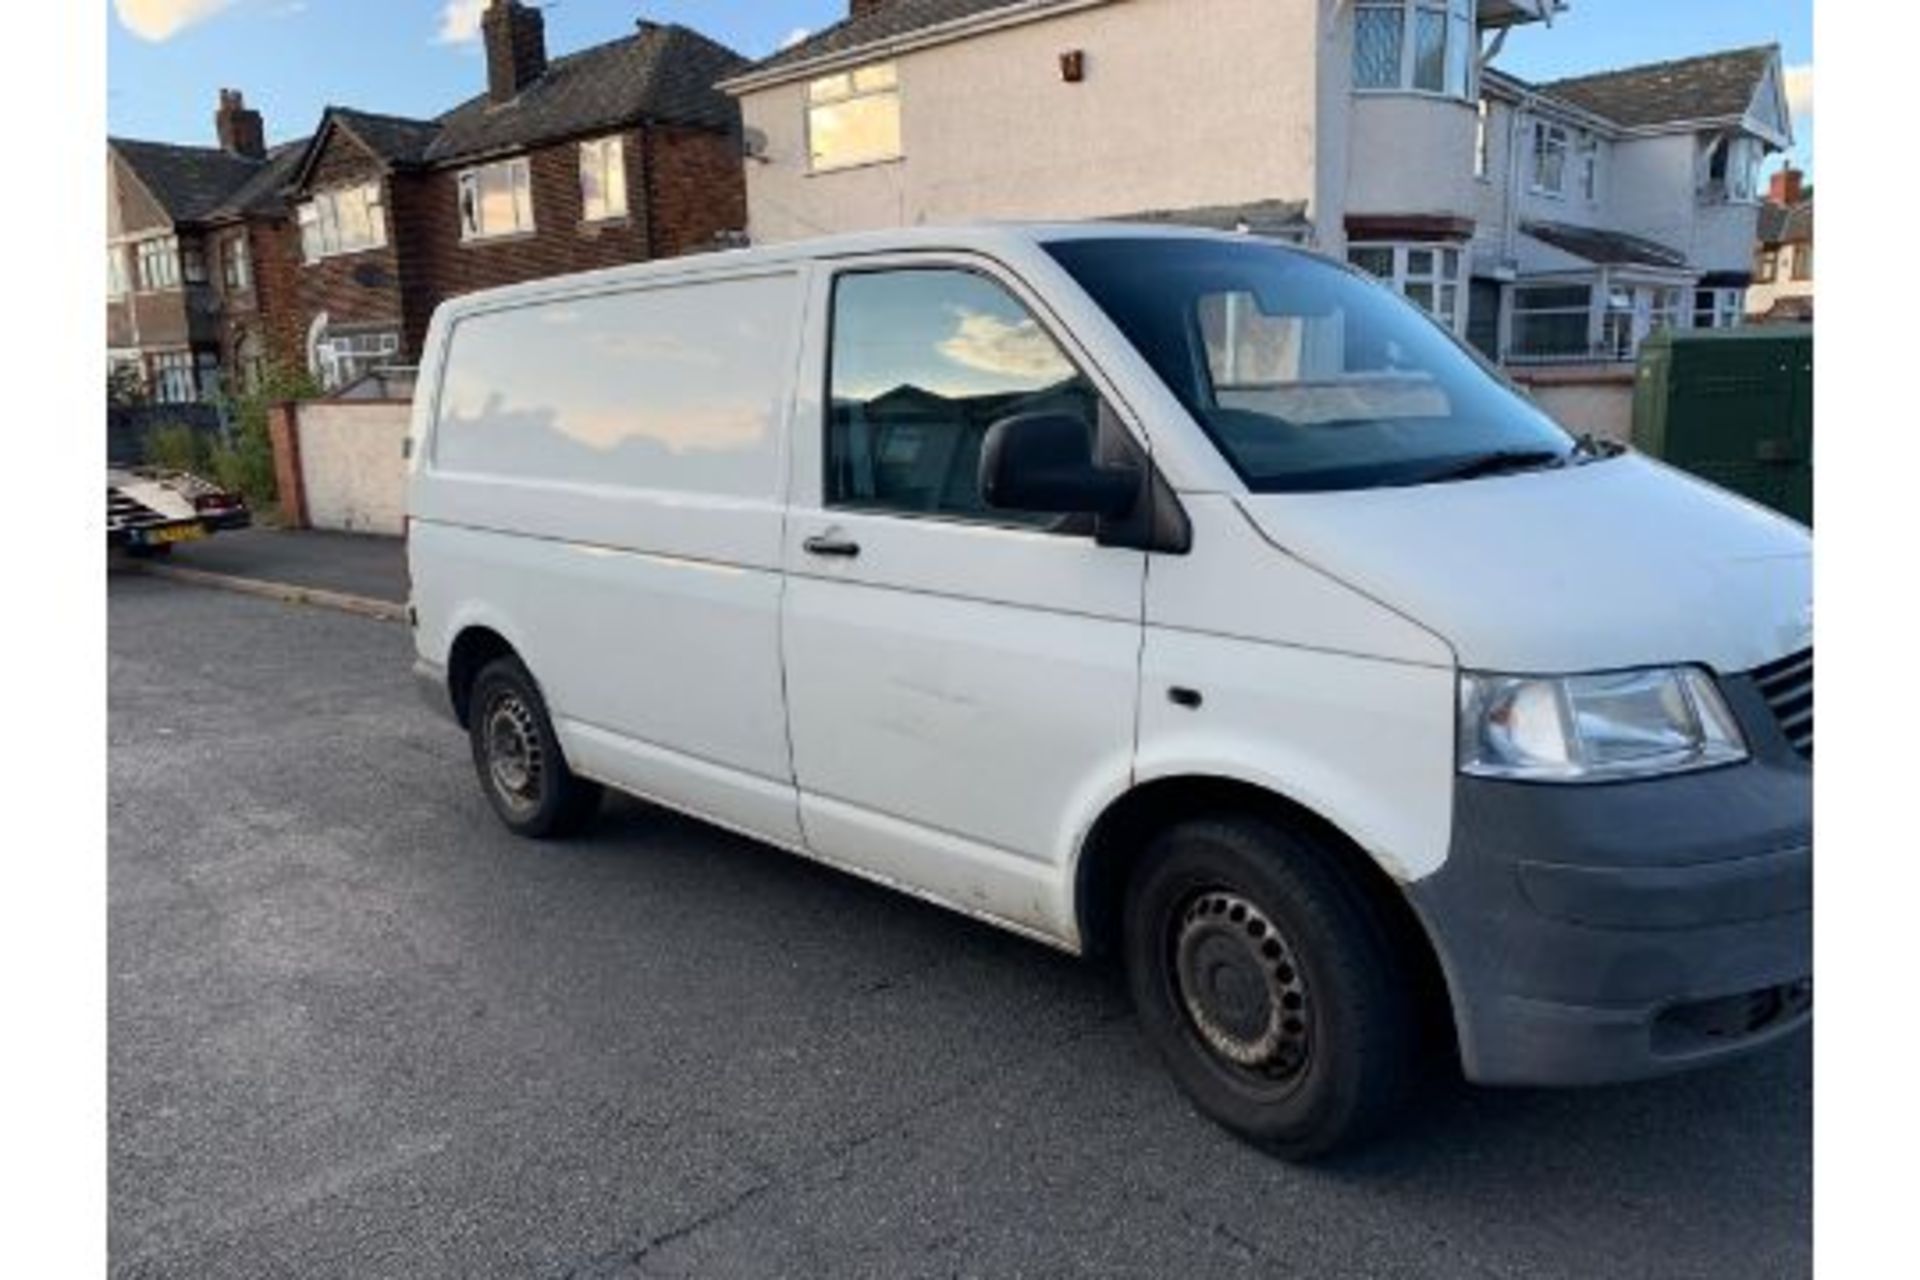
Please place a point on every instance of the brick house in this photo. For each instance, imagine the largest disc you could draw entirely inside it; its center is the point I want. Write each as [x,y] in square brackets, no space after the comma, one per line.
[1782,289]
[617,153]
[200,286]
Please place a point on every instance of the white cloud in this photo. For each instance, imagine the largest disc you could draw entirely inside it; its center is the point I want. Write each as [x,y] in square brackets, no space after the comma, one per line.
[1020,350]
[460,21]
[159,20]
[794,37]
[1800,89]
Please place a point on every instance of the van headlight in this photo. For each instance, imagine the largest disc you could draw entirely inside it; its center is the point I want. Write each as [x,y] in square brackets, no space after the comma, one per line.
[1595,728]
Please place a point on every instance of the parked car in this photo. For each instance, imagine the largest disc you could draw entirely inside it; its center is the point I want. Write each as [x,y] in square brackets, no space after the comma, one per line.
[152,509]
[1178,597]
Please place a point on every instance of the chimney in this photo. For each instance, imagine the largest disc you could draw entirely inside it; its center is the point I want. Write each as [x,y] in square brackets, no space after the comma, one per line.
[239,127]
[516,48]
[861,8]
[1788,185]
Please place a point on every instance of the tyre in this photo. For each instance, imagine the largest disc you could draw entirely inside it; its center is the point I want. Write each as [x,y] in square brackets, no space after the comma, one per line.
[518,757]
[1269,985]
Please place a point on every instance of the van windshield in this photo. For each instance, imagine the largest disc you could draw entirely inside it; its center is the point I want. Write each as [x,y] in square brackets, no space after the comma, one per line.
[1308,376]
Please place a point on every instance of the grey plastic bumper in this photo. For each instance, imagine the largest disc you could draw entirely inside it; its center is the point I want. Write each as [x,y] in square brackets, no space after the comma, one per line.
[1600,933]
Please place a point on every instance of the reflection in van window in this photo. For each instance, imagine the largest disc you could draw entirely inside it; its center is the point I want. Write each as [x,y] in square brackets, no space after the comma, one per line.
[924,362]
[666,388]
[1307,376]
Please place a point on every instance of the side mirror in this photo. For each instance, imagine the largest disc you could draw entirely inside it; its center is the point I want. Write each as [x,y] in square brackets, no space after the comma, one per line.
[1044,462]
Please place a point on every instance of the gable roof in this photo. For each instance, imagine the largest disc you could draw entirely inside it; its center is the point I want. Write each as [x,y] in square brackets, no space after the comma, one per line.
[395,139]
[264,194]
[884,23]
[665,72]
[189,182]
[1714,86]
[1786,224]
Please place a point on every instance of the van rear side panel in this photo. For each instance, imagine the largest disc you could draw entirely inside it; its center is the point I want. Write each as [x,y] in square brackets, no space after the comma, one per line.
[600,480]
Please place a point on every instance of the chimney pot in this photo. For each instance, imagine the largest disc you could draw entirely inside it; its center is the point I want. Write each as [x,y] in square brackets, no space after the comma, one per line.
[240,129]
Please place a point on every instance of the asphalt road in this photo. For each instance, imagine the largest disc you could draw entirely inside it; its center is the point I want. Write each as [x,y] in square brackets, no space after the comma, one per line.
[358,1031]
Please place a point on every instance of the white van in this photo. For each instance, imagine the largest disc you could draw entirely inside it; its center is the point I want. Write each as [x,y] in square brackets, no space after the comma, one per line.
[1179,597]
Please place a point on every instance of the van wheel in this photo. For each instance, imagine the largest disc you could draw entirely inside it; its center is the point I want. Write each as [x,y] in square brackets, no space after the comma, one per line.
[1269,985]
[518,757]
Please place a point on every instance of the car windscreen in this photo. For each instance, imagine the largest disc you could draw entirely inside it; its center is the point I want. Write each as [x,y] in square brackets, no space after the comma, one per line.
[1308,376]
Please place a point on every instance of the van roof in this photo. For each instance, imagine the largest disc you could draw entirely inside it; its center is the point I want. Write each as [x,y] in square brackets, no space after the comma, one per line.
[1006,240]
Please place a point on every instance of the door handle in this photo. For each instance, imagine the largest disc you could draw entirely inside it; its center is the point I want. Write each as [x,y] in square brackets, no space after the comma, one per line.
[831,544]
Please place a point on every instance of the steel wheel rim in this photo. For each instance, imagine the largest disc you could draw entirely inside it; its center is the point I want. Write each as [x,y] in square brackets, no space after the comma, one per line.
[516,762]
[1241,987]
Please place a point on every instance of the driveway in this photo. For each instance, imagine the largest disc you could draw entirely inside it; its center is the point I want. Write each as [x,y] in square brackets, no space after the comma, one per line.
[357,1030]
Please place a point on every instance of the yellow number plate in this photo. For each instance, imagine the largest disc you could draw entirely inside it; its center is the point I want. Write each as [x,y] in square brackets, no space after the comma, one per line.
[170,534]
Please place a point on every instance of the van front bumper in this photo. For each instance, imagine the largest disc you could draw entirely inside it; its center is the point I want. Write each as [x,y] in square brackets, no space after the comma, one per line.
[1612,932]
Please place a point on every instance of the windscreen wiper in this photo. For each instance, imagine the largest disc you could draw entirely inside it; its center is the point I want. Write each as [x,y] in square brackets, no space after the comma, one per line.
[1498,462]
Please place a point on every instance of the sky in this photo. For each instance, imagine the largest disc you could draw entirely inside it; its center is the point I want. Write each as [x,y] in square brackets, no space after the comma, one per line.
[167,59]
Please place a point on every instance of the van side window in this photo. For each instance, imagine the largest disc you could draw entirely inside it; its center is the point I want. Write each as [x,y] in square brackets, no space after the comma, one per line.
[676,388]
[924,362]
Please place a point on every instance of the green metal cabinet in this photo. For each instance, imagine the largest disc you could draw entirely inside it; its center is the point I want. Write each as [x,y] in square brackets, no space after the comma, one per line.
[1733,406]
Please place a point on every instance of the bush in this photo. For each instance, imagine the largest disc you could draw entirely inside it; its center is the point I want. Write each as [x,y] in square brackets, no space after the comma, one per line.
[243,462]
[179,447]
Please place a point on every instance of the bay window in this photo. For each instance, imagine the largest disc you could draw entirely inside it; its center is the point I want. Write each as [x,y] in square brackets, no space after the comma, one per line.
[603,179]
[1428,46]
[853,117]
[345,221]
[496,200]
[1427,275]
[1733,169]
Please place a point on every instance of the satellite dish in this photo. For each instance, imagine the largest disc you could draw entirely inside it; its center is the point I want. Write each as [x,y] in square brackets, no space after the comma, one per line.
[753,144]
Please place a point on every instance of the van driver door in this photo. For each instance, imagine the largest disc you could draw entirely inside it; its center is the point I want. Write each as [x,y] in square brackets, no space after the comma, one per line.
[957,677]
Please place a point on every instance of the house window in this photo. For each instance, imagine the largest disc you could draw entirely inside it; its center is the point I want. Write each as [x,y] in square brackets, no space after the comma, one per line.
[1427,275]
[1482,140]
[173,377]
[158,261]
[117,284]
[1550,143]
[236,265]
[603,179]
[1733,169]
[1803,262]
[1423,45]
[1719,308]
[193,263]
[1587,166]
[345,221]
[854,117]
[496,200]
[343,357]
[1767,269]
[1550,321]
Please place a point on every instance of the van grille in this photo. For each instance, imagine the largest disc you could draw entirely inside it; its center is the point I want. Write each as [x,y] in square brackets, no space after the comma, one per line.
[1787,685]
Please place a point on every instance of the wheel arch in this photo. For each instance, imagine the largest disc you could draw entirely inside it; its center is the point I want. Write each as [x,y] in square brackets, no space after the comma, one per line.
[1119,838]
[474,646]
